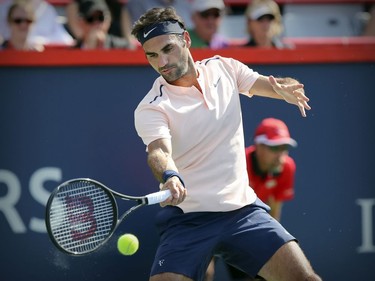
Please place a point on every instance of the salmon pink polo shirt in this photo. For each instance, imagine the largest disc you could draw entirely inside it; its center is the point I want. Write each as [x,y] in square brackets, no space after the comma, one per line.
[206,132]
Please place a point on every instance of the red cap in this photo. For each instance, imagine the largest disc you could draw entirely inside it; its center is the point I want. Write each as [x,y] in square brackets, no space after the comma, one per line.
[273,132]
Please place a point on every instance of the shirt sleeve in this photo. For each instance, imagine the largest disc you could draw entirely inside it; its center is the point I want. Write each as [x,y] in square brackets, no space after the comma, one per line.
[246,76]
[151,124]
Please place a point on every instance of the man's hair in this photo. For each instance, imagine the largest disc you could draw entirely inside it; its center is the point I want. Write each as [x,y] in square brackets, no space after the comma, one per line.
[154,16]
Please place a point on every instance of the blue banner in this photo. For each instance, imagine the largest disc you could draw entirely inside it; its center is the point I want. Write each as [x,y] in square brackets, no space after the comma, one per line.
[62,123]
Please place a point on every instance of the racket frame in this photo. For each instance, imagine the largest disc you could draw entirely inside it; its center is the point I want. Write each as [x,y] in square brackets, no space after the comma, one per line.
[152,198]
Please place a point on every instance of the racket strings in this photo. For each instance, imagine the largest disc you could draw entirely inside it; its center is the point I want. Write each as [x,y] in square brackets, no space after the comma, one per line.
[82,216]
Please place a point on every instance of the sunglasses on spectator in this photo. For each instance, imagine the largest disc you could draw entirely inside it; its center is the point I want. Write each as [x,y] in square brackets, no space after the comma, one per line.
[207,14]
[95,18]
[22,20]
[266,17]
[278,148]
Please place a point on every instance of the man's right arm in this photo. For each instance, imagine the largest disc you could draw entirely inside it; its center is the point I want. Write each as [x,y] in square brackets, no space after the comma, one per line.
[160,161]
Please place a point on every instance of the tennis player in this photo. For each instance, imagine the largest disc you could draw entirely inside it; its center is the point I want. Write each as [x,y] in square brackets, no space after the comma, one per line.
[191,124]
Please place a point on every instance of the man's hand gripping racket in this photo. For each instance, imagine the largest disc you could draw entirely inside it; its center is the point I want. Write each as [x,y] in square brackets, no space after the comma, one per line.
[82,214]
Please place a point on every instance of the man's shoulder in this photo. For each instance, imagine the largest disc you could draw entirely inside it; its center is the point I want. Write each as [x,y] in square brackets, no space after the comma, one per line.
[208,60]
[289,164]
[250,148]
[155,94]
[218,60]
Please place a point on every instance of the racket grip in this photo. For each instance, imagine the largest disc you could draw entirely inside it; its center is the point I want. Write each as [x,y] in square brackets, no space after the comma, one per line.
[157,197]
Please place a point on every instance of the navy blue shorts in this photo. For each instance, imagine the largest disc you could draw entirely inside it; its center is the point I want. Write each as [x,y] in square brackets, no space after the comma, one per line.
[245,238]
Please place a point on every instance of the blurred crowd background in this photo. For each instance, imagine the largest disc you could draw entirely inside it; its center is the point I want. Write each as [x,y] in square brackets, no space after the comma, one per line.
[104,24]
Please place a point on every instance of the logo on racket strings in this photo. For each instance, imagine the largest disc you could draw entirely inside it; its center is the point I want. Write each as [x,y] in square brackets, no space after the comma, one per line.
[81,217]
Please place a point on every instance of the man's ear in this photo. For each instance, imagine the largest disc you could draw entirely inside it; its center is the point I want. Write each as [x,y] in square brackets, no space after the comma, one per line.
[187,39]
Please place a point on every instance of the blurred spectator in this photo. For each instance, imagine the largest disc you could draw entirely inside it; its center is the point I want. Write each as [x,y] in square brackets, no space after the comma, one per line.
[94,21]
[370,26]
[182,7]
[264,24]
[120,23]
[20,18]
[46,30]
[270,169]
[207,16]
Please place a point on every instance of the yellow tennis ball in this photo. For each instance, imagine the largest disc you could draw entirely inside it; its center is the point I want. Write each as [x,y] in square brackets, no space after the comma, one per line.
[127,244]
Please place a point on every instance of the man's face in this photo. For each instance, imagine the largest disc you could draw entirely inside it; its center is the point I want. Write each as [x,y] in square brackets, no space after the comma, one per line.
[20,22]
[97,20]
[261,27]
[168,55]
[272,157]
[207,23]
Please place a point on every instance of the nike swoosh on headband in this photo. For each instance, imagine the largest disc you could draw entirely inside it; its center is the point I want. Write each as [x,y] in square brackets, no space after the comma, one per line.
[145,34]
[160,28]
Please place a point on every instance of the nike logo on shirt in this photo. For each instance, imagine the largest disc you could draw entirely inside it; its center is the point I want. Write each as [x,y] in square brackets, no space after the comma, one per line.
[217,82]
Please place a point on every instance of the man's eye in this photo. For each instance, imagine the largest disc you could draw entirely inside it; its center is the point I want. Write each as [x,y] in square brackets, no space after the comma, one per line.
[168,49]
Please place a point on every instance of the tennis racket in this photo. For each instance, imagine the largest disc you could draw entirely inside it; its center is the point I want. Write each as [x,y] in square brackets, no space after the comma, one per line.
[82,214]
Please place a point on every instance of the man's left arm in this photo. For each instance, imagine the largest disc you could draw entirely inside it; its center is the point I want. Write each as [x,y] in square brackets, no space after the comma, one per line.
[288,89]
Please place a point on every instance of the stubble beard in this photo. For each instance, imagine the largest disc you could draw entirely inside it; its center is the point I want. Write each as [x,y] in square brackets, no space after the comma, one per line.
[179,70]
